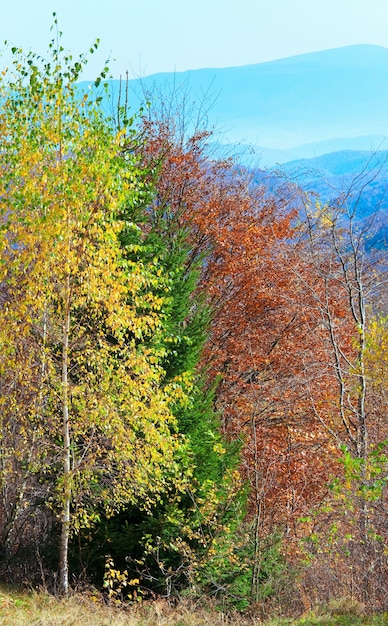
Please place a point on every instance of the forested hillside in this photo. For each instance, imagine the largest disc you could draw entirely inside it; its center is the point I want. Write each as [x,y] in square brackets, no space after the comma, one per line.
[362,175]
[193,363]
[354,178]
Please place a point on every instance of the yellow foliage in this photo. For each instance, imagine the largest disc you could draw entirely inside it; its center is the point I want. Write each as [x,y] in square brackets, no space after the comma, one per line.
[74,309]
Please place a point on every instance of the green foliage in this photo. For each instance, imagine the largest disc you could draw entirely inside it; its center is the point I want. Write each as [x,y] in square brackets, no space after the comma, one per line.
[363,478]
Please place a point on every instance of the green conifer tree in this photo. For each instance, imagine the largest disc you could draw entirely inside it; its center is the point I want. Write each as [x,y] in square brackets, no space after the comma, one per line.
[187,539]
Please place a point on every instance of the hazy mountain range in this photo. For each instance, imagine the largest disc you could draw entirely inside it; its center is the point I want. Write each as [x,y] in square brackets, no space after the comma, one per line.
[279,111]
[320,118]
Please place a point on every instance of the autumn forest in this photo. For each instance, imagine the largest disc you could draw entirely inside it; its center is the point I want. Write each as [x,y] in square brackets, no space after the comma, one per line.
[193,364]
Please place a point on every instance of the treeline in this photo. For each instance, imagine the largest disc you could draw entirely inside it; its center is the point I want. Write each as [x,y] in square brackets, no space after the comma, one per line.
[193,380]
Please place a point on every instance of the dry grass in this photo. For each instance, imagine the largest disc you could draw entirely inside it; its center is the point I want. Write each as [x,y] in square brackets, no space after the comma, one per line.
[19,608]
[38,609]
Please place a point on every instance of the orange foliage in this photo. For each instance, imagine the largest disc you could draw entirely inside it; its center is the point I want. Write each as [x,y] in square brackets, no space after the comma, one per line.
[268,345]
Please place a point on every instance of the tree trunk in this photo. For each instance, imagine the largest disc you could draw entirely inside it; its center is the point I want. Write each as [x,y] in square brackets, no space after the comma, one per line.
[65,518]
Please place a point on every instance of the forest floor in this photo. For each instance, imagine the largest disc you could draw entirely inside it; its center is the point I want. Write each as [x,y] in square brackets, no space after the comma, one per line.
[21,608]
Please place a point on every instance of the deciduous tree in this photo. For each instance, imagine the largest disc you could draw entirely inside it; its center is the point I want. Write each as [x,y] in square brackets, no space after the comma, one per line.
[85,416]
[347,283]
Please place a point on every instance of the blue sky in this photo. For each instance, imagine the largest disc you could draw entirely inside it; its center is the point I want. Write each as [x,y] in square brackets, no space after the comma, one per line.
[149,36]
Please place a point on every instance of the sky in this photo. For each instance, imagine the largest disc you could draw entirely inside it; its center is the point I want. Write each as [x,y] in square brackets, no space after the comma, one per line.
[149,36]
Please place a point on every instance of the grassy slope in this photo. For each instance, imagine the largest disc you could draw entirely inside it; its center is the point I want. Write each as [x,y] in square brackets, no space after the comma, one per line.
[19,608]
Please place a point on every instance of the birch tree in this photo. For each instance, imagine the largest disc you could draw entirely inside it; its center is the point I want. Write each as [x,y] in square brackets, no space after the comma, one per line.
[84,417]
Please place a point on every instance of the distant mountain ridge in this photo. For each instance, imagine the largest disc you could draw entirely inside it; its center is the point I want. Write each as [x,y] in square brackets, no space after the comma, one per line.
[321,118]
[303,105]
[342,163]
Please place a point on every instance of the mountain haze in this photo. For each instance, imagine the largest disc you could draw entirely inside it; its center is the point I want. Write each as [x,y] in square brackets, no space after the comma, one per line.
[305,105]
